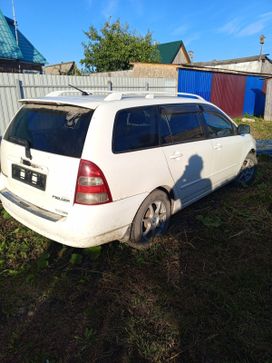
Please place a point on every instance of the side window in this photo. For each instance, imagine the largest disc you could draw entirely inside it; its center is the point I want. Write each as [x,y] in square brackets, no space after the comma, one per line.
[164,130]
[184,123]
[135,129]
[217,125]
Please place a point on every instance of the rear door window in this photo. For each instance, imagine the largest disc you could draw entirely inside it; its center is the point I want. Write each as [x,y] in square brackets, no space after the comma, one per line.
[135,129]
[51,128]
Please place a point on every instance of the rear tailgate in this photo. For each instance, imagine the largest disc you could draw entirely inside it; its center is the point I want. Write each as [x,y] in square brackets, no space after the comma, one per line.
[40,154]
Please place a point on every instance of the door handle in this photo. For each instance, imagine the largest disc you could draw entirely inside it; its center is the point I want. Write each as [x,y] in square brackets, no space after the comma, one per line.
[217,146]
[176,156]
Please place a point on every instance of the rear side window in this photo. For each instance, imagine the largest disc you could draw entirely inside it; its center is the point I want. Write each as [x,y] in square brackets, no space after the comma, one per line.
[135,129]
[51,128]
[184,122]
[217,125]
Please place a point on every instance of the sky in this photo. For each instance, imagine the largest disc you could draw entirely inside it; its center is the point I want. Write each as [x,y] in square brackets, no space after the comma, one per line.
[211,29]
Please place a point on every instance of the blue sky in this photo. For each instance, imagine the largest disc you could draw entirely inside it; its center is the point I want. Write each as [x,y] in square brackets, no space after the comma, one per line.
[211,29]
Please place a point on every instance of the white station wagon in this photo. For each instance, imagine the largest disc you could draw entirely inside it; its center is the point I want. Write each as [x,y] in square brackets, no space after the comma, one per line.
[85,170]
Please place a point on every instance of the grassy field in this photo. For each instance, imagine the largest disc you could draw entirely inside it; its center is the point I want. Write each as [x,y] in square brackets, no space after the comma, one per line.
[260,129]
[201,295]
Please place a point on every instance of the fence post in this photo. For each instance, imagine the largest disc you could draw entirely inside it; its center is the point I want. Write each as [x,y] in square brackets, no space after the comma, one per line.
[19,88]
[110,85]
[147,86]
[268,100]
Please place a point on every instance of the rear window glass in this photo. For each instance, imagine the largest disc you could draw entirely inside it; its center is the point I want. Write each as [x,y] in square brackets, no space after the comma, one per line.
[51,128]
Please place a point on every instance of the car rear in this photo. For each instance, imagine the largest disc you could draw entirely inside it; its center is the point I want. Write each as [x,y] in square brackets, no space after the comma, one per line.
[45,184]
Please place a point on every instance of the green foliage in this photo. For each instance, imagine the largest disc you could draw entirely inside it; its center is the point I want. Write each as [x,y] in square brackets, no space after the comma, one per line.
[5,214]
[259,128]
[209,221]
[19,245]
[75,259]
[93,252]
[42,261]
[115,46]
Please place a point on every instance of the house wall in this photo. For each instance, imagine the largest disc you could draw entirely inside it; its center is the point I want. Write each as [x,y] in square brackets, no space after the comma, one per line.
[60,69]
[114,74]
[139,70]
[267,67]
[9,66]
[143,70]
[155,70]
[253,66]
[180,57]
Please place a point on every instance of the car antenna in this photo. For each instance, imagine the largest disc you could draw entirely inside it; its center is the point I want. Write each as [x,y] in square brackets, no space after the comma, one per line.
[83,93]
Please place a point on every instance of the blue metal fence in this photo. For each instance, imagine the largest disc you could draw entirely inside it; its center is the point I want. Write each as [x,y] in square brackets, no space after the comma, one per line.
[195,82]
[202,83]
[254,96]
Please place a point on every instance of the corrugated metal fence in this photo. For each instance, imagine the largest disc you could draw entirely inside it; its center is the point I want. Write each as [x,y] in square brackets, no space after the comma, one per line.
[16,86]
[236,94]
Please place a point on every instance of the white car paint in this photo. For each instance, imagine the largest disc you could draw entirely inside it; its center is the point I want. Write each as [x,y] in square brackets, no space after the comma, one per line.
[131,176]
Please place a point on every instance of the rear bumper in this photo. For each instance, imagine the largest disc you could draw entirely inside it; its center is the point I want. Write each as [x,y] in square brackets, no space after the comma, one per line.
[85,226]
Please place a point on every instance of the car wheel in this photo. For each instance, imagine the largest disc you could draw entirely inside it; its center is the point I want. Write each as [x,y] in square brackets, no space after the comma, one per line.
[248,170]
[151,220]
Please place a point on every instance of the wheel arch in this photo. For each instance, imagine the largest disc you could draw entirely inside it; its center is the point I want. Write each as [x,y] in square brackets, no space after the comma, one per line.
[134,232]
[169,192]
[253,152]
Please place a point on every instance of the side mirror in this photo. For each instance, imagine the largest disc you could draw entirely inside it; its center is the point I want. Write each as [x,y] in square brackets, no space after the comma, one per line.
[243,129]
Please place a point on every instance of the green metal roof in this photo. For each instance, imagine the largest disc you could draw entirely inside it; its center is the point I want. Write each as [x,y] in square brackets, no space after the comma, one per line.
[168,51]
[8,46]
[9,49]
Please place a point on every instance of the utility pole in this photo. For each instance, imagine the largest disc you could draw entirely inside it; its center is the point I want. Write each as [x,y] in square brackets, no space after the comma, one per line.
[191,55]
[15,23]
[262,38]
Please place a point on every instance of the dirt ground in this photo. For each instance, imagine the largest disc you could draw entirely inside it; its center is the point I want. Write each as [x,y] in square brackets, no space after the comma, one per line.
[202,294]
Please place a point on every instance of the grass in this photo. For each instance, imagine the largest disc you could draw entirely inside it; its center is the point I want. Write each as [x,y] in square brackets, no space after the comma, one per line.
[260,129]
[202,294]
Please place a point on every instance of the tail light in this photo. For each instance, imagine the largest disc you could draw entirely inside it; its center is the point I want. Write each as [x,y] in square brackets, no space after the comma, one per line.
[91,187]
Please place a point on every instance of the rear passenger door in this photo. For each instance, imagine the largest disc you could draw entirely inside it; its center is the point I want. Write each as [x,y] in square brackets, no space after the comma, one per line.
[138,158]
[187,151]
[227,145]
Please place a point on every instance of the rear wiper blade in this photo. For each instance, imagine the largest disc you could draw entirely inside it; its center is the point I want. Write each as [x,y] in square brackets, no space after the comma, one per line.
[23,142]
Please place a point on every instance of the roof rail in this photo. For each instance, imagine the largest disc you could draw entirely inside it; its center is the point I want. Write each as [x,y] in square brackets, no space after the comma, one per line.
[117,96]
[190,95]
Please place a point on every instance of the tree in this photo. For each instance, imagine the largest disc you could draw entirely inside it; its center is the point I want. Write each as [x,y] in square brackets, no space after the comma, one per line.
[114,47]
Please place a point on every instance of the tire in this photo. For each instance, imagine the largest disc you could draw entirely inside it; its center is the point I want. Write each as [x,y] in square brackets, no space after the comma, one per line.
[248,171]
[151,220]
